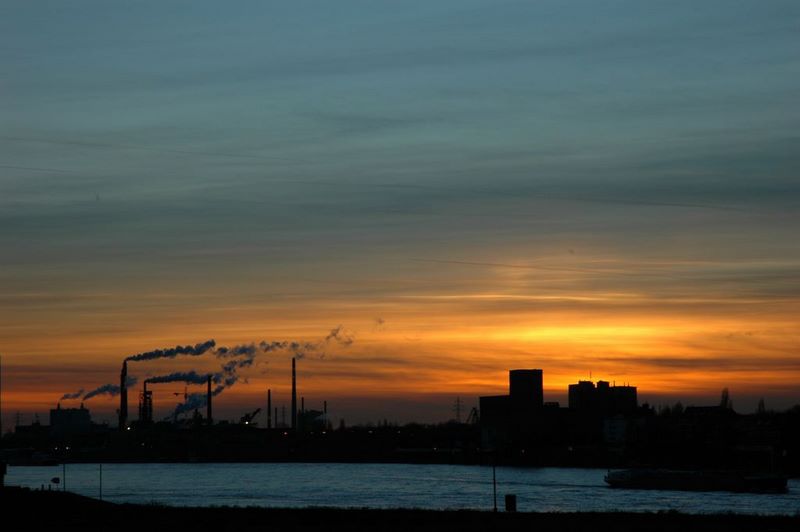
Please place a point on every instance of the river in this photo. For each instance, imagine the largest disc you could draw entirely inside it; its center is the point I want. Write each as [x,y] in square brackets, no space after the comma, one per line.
[386,486]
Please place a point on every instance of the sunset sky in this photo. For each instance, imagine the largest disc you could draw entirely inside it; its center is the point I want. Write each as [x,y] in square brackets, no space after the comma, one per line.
[464,186]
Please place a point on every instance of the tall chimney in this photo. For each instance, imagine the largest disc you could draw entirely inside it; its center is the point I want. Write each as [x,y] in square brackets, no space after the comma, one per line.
[294,395]
[209,419]
[269,408]
[142,404]
[123,396]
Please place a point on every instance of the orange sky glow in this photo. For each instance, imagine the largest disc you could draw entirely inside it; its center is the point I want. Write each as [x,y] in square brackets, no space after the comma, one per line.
[431,354]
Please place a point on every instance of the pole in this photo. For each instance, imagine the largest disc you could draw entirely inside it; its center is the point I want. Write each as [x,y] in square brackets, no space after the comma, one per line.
[494,482]
[294,395]
[64,472]
[101,481]
[269,409]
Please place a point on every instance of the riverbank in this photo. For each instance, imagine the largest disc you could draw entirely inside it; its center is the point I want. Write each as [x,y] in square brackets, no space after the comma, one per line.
[57,510]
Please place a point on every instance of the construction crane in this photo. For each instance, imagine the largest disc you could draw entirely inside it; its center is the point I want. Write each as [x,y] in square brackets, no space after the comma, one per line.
[248,418]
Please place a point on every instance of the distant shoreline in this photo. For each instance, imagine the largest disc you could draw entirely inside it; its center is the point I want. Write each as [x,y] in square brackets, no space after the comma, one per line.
[70,511]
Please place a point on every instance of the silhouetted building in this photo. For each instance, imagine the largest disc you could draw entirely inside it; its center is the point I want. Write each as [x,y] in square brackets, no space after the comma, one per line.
[582,395]
[311,420]
[525,387]
[623,399]
[505,416]
[602,400]
[496,419]
[69,421]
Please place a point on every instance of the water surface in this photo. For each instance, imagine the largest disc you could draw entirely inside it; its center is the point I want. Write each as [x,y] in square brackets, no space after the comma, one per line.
[386,486]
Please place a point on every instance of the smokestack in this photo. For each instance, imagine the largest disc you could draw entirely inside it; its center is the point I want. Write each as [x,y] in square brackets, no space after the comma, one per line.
[145,406]
[325,407]
[123,396]
[294,395]
[269,408]
[209,419]
[302,405]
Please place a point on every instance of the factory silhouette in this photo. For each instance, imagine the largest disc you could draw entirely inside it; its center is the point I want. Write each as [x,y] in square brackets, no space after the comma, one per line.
[603,425]
[146,405]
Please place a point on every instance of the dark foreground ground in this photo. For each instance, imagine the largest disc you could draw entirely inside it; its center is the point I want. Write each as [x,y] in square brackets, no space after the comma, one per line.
[43,510]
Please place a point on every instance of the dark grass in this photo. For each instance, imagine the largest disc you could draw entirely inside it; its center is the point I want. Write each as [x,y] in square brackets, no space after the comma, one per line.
[43,510]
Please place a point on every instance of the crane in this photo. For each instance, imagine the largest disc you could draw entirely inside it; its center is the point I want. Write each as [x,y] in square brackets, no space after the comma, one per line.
[248,418]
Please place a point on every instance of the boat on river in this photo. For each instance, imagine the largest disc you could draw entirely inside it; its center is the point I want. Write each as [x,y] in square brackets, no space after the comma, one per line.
[669,479]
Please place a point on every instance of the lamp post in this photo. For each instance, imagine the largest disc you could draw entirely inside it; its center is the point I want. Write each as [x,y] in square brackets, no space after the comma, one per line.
[494,482]
[64,450]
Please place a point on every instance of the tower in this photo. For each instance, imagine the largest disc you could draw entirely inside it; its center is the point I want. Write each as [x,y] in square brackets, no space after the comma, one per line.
[269,409]
[123,396]
[209,419]
[294,395]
